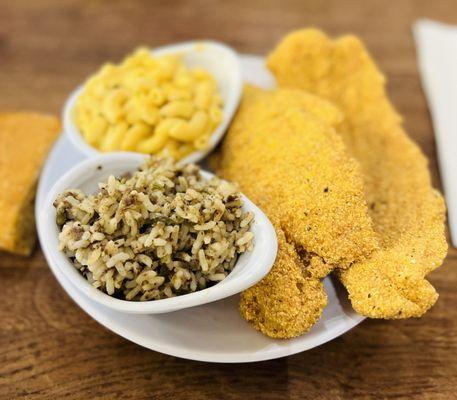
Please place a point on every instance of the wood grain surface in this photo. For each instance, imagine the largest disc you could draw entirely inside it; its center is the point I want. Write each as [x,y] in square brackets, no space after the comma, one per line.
[51,349]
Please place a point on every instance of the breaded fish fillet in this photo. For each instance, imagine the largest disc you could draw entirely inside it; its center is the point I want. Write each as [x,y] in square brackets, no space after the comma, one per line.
[408,214]
[284,153]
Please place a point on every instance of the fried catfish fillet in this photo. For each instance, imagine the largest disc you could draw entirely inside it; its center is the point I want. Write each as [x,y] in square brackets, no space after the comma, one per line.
[408,214]
[284,153]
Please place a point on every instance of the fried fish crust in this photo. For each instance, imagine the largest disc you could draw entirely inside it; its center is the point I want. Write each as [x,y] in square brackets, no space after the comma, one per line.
[408,214]
[284,153]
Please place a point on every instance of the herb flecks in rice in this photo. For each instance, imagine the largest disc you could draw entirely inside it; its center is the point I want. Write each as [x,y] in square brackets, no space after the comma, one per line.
[162,232]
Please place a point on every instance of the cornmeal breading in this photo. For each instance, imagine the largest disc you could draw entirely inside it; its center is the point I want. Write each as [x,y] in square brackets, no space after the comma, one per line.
[25,139]
[287,302]
[284,153]
[408,214]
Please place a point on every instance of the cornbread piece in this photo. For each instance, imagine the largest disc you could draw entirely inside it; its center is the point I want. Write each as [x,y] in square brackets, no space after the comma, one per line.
[407,213]
[283,152]
[25,139]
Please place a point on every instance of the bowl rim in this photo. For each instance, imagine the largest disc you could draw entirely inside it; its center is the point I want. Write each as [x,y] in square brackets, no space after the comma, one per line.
[258,264]
[230,106]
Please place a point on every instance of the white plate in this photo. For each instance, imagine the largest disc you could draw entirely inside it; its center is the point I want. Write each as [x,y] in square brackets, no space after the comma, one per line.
[214,332]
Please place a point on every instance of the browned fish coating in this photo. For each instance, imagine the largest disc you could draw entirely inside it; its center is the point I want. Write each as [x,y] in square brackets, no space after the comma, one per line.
[407,213]
[284,153]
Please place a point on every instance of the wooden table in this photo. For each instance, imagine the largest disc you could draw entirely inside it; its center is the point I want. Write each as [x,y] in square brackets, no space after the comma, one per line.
[51,349]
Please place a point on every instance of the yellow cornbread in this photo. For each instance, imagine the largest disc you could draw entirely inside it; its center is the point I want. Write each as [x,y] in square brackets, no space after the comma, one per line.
[153,105]
[25,139]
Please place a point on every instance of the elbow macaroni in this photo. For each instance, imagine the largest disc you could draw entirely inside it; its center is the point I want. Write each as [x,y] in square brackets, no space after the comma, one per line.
[150,105]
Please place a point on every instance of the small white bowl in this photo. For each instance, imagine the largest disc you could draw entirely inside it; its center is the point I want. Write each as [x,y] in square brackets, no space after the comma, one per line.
[218,59]
[249,268]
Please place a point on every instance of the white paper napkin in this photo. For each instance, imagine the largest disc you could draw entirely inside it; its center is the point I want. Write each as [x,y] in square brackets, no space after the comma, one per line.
[437,52]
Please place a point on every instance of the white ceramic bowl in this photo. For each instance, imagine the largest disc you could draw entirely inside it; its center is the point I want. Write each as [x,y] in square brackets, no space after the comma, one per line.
[218,59]
[249,268]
